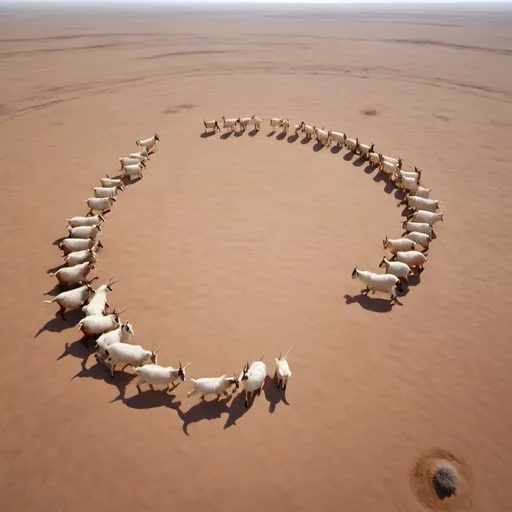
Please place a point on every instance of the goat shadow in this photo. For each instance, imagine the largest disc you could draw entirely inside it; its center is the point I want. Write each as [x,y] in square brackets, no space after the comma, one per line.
[305,140]
[390,186]
[318,146]
[399,194]
[271,133]
[58,267]
[206,135]
[237,409]
[292,138]
[127,181]
[100,372]
[358,162]
[238,133]
[348,156]
[150,399]
[55,290]
[377,305]
[76,349]
[273,395]
[226,135]
[281,136]
[369,169]
[204,410]
[56,324]
[335,149]
[58,241]
[252,133]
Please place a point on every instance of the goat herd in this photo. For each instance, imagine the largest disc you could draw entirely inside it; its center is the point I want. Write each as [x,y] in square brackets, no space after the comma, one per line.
[111,334]
[409,250]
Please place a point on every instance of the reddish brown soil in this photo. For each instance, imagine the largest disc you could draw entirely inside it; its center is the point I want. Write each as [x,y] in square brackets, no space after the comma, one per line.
[229,247]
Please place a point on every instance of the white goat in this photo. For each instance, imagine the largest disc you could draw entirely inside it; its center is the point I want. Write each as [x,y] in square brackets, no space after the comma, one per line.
[211,125]
[424,216]
[133,170]
[95,325]
[397,268]
[412,258]
[130,355]
[85,231]
[365,149]
[420,203]
[229,123]
[156,375]
[374,158]
[72,299]
[130,160]
[410,174]
[141,155]
[398,244]
[297,128]
[386,283]
[85,221]
[421,238]
[105,191]
[283,372]
[419,192]
[149,144]
[338,138]
[256,122]
[322,136]
[69,245]
[120,335]
[99,304]
[244,123]
[352,144]
[308,130]
[73,275]
[275,122]
[100,204]
[253,378]
[389,169]
[285,125]
[421,227]
[397,162]
[74,258]
[409,184]
[213,386]
[112,182]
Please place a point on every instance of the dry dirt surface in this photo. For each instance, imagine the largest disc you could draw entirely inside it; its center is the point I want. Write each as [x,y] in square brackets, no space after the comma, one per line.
[233,245]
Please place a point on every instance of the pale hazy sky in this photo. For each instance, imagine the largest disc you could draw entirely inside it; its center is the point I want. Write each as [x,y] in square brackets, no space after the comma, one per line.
[312,2]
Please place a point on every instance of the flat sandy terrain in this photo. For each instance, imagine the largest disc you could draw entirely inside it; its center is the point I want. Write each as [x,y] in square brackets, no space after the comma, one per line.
[232,246]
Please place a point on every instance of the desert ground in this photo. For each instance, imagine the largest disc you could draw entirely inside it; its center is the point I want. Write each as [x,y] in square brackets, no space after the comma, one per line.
[233,245]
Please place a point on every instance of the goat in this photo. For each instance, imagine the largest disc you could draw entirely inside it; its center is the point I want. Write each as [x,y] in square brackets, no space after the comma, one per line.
[85,231]
[69,245]
[130,355]
[211,125]
[85,221]
[99,304]
[72,299]
[387,283]
[283,372]
[253,378]
[74,258]
[154,374]
[73,275]
[213,386]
